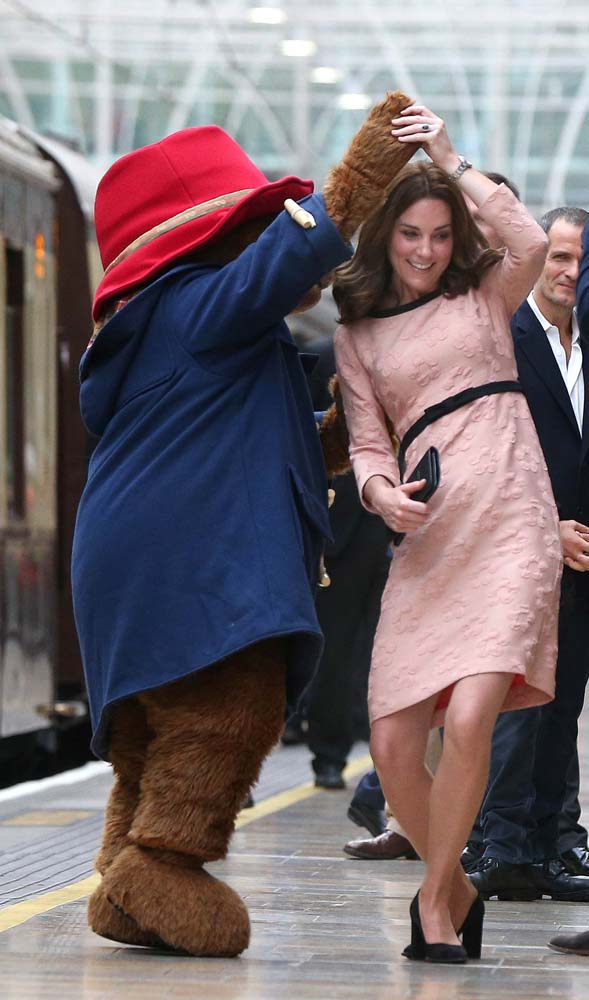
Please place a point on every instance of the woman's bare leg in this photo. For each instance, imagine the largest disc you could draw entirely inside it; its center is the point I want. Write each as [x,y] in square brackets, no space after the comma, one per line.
[460,780]
[438,814]
[398,743]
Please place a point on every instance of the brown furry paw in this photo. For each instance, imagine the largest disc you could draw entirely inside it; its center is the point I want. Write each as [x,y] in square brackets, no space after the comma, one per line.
[358,185]
[334,444]
[187,909]
[110,922]
[333,432]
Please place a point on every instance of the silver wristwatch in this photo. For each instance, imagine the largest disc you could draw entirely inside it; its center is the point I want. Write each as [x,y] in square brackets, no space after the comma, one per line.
[462,166]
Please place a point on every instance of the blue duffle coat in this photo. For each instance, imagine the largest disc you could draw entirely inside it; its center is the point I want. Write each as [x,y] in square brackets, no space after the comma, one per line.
[203,518]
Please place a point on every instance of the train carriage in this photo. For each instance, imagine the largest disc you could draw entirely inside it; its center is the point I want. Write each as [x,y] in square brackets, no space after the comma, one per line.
[48,267]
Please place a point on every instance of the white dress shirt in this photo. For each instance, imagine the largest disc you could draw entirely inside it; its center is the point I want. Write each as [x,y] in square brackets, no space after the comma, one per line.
[572,373]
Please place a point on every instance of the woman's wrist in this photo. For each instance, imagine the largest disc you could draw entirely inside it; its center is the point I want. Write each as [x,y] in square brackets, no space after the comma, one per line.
[450,162]
[374,486]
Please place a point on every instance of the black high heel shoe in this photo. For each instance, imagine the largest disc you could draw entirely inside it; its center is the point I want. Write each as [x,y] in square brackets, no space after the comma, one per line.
[446,954]
[471,931]
[472,928]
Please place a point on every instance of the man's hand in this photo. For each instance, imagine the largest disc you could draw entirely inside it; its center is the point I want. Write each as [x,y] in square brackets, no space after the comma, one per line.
[575,545]
[395,506]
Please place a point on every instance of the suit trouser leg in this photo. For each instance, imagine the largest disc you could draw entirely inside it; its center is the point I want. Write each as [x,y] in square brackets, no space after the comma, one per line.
[533,748]
[510,792]
[341,609]
[571,833]
[557,739]
[369,792]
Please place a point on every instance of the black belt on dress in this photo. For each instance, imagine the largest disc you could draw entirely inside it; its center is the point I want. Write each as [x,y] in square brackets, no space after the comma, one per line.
[433,413]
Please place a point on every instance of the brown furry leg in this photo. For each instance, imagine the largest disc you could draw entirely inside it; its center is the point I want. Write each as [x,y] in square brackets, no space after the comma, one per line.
[129,737]
[128,743]
[212,732]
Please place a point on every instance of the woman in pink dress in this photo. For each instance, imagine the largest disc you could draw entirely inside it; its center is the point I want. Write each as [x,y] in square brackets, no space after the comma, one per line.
[469,614]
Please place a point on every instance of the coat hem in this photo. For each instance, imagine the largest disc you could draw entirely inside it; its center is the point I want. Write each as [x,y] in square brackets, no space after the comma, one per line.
[99,742]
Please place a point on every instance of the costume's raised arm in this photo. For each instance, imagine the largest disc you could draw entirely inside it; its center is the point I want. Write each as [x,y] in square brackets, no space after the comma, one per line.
[250,295]
[358,185]
[525,242]
[271,276]
[371,449]
[583,285]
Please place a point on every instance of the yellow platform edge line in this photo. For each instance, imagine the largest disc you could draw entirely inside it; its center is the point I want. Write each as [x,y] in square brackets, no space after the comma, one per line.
[282,800]
[19,913]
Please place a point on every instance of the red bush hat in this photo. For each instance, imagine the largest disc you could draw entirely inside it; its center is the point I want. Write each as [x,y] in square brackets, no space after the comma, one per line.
[162,201]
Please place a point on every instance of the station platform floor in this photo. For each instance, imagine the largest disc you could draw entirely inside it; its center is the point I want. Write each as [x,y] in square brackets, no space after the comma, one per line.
[324,926]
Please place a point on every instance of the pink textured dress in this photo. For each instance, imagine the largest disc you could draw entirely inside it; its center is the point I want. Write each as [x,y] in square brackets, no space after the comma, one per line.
[476,590]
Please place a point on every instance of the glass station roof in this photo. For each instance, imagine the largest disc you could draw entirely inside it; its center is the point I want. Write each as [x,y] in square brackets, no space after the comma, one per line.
[292,80]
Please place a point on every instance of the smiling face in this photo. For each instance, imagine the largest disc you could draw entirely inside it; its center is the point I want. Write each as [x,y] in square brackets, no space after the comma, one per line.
[420,248]
[555,289]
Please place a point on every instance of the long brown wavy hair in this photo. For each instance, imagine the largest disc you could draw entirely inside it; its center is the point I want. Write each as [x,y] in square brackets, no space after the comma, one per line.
[362,284]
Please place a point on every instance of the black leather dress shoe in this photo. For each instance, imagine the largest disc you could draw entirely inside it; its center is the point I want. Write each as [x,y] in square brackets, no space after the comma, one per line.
[471,855]
[571,944]
[576,860]
[329,776]
[503,880]
[551,878]
[373,820]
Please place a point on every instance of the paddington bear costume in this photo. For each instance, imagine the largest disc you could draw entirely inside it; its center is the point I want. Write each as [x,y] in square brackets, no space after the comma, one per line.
[200,530]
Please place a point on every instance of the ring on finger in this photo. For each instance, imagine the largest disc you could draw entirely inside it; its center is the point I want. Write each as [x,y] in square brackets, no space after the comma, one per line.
[425,127]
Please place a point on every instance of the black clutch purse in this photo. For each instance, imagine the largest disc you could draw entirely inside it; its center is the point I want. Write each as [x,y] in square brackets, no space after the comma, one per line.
[427,468]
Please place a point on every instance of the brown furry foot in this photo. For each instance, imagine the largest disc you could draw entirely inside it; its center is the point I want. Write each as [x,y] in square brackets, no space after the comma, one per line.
[187,909]
[110,922]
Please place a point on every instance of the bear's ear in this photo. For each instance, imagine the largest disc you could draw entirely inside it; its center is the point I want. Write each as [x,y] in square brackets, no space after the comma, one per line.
[229,247]
[361,182]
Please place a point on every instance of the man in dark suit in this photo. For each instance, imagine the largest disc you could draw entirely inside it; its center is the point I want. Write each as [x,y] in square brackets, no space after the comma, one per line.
[578,944]
[534,749]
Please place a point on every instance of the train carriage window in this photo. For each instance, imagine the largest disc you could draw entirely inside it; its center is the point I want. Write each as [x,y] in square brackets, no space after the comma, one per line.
[14,389]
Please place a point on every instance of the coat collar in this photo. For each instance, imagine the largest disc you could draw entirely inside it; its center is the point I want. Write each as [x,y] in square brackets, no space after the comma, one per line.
[532,340]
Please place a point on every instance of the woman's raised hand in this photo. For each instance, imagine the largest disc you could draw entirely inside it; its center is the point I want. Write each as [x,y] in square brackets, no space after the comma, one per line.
[394,503]
[417,124]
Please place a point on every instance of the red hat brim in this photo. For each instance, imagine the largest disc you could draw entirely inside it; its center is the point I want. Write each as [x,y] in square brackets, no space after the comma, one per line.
[146,261]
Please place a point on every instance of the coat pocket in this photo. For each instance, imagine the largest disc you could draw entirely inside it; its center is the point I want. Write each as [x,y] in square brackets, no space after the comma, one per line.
[135,391]
[309,506]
